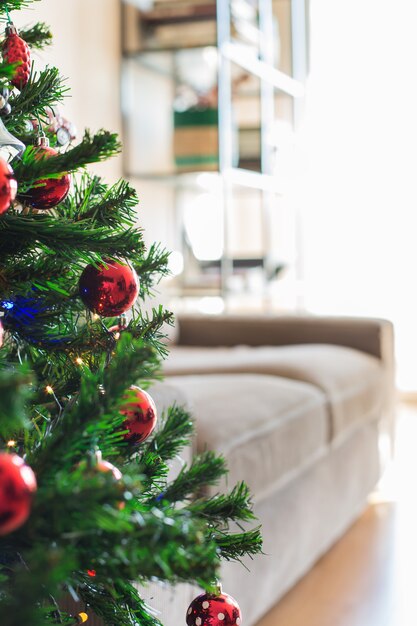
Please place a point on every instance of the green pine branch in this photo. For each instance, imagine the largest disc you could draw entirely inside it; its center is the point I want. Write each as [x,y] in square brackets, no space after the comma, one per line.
[205,469]
[14,5]
[38,36]
[92,149]
[152,268]
[97,204]
[42,90]
[94,417]
[120,604]
[234,546]
[14,392]
[62,237]
[177,429]
[235,506]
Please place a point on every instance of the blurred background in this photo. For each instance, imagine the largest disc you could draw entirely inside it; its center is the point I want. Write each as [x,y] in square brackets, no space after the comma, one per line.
[272,144]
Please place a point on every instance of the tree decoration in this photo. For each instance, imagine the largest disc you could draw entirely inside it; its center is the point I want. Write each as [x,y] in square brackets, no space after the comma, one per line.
[10,146]
[17,486]
[8,186]
[16,50]
[141,414]
[214,610]
[47,193]
[1,333]
[63,129]
[108,468]
[110,288]
[5,108]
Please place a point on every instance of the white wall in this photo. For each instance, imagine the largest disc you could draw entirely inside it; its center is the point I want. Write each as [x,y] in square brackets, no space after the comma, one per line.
[86,49]
[360,204]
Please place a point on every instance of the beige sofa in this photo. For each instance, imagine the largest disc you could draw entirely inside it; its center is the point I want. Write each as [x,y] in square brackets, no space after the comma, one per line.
[301,407]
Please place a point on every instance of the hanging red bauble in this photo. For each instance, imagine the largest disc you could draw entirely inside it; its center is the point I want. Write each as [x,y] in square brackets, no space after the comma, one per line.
[16,50]
[1,334]
[210,610]
[17,486]
[109,289]
[47,193]
[8,186]
[140,411]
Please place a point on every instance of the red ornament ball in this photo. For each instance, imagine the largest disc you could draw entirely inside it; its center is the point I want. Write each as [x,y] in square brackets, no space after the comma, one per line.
[209,610]
[17,486]
[16,50]
[47,193]
[141,415]
[8,186]
[109,289]
[1,334]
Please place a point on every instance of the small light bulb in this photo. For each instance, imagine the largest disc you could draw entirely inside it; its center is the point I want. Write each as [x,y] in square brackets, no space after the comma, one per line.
[95,317]
[12,443]
[82,618]
[79,360]
[49,389]
[117,336]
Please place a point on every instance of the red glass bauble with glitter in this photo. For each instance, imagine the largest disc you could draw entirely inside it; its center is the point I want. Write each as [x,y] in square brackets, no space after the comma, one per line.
[47,193]
[16,50]
[210,610]
[110,288]
[8,186]
[140,411]
[17,486]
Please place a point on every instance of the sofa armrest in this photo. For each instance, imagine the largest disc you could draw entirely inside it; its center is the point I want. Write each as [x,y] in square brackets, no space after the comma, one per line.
[373,336]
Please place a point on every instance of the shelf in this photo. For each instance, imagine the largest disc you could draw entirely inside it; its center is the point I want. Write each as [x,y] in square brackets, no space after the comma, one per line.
[137,54]
[179,14]
[253,180]
[216,55]
[234,176]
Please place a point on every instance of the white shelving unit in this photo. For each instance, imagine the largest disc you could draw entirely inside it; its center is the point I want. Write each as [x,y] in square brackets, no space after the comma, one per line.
[244,191]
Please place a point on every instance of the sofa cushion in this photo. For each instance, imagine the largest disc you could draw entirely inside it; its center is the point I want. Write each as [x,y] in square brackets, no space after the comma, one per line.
[352,381]
[268,428]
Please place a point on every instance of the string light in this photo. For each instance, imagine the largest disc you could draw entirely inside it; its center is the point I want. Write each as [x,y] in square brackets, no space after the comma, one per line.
[12,443]
[117,336]
[95,317]
[79,360]
[49,390]
[82,618]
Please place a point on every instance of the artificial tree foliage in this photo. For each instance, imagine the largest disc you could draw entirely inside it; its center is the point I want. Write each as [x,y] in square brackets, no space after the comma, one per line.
[64,375]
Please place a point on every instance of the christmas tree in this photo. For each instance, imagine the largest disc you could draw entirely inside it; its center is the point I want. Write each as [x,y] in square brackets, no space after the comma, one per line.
[86,506]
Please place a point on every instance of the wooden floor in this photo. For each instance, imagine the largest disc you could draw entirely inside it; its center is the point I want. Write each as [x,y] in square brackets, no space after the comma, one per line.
[369,578]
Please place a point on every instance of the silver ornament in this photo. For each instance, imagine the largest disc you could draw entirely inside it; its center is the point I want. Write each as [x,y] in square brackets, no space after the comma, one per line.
[2,102]
[28,127]
[62,136]
[10,147]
